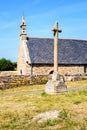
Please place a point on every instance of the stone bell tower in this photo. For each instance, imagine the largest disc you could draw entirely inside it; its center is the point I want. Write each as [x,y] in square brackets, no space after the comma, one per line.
[23,29]
[22,56]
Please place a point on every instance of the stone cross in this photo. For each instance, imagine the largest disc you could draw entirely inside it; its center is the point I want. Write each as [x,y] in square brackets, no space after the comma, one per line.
[56,84]
[56,31]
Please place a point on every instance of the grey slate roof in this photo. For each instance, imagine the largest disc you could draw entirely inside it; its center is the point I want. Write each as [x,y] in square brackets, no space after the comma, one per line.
[71,52]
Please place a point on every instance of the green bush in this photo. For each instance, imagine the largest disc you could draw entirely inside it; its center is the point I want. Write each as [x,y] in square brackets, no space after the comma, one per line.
[6,65]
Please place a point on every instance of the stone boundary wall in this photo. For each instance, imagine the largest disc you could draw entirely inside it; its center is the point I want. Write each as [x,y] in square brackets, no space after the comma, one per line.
[7,73]
[18,80]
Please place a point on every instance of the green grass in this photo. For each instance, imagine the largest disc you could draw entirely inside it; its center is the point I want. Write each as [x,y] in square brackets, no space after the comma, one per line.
[16,112]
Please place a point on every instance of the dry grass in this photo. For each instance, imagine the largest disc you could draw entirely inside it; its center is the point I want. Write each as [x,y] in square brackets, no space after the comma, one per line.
[16,112]
[23,89]
[69,84]
[80,83]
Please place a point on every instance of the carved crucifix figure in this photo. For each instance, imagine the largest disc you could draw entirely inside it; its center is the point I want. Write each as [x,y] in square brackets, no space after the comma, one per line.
[56,31]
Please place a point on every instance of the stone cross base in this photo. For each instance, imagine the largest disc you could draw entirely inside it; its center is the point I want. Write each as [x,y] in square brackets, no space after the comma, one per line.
[55,87]
[60,87]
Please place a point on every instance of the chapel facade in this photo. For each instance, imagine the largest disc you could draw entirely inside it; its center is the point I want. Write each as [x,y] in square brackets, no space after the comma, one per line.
[35,55]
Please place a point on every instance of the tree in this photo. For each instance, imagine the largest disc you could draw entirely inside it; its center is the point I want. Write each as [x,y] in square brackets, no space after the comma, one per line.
[14,65]
[6,65]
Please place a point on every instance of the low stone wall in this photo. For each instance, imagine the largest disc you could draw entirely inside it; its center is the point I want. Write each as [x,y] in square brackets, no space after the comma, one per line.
[7,73]
[18,80]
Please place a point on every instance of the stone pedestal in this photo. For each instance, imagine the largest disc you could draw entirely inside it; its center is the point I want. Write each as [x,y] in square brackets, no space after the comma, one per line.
[56,86]
[60,87]
[50,87]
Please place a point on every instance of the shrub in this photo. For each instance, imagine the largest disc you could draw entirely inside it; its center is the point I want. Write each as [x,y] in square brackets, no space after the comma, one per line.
[6,65]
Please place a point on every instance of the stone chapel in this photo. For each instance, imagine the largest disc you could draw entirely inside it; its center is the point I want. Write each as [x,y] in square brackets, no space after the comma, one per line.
[36,55]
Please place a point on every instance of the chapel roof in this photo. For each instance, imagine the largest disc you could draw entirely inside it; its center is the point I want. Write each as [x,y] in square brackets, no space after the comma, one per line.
[71,51]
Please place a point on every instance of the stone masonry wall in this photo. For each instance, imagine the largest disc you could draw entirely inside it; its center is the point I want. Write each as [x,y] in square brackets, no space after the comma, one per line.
[45,70]
[21,60]
[18,80]
[63,70]
[6,73]
[42,69]
[23,57]
[9,79]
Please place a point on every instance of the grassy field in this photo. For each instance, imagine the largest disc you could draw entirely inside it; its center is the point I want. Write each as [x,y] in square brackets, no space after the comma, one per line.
[16,112]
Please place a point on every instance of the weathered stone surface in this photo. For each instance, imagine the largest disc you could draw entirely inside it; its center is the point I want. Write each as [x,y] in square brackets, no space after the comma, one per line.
[60,87]
[50,115]
[55,87]
[18,80]
[74,77]
[49,89]
[7,73]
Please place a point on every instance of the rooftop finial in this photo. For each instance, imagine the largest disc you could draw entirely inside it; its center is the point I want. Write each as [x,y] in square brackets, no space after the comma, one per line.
[23,20]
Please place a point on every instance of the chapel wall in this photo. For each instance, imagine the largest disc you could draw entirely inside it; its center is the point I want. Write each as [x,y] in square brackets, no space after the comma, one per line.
[42,70]
[63,70]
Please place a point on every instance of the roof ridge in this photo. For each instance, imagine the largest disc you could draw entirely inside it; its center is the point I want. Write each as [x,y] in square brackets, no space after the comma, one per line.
[59,38]
[73,39]
[41,37]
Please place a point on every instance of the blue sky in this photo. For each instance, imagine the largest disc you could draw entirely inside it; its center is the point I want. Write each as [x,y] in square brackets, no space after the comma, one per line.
[40,16]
